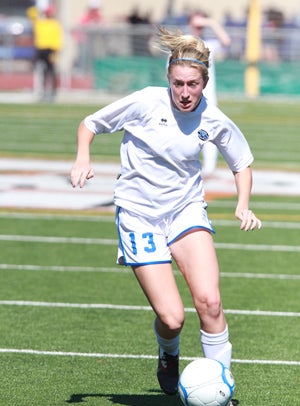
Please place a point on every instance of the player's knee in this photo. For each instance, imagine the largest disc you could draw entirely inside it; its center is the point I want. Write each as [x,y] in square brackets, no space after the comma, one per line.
[209,307]
[173,321]
[214,309]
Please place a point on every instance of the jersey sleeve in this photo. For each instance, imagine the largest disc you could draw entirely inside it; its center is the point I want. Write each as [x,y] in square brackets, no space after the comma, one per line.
[233,146]
[112,117]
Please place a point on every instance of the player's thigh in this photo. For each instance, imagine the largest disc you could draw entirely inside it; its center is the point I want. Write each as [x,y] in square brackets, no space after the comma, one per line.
[159,285]
[196,258]
[141,241]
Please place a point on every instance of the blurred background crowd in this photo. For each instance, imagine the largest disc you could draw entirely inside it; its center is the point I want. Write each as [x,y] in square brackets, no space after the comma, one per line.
[109,44]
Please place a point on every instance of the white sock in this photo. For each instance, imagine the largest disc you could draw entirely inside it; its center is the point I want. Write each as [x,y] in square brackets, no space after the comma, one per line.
[170,346]
[217,346]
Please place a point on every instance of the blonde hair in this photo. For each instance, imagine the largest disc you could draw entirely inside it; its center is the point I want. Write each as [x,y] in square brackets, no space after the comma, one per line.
[184,49]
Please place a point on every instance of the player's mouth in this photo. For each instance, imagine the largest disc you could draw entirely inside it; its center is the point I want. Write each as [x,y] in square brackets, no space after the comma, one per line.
[186,104]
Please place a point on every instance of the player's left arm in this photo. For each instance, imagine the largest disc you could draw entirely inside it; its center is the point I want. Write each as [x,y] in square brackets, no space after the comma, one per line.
[243,181]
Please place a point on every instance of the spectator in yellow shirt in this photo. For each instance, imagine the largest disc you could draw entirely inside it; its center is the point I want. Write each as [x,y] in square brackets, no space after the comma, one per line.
[48,41]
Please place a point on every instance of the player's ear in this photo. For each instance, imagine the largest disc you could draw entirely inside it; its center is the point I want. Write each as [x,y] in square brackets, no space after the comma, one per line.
[205,82]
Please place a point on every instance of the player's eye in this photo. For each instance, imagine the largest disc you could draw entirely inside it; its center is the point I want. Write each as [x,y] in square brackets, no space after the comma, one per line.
[177,83]
[194,84]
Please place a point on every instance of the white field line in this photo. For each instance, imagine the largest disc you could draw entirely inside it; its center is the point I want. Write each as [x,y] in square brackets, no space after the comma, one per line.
[285,206]
[258,205]
[53,216]
[107,241]
[121,269]
[108,306]
[135,356]
[58,240]
[55,268]
[266,224]
[258,247]
[111,218]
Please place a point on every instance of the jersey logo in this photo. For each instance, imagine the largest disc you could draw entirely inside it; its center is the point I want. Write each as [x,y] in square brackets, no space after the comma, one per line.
[202,134]
[163,121]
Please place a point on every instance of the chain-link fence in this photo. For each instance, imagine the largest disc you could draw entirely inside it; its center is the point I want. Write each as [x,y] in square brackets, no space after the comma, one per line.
[123,57]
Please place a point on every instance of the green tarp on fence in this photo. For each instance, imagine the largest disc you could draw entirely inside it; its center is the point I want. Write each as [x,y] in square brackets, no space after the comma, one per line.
[125,74]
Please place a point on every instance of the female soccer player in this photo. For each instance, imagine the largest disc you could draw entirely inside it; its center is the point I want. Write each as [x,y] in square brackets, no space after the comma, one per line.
[160,208]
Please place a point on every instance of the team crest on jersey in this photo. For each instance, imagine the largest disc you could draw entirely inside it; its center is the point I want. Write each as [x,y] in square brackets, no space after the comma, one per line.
[202,134]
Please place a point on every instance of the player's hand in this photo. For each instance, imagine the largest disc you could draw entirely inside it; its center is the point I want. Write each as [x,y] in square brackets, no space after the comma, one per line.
[248,219]
[80,173]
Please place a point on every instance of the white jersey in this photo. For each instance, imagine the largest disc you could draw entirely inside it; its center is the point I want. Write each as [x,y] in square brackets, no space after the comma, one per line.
[160,167]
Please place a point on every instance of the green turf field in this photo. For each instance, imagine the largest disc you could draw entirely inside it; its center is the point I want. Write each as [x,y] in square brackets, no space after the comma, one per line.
[76,329]
[50,131]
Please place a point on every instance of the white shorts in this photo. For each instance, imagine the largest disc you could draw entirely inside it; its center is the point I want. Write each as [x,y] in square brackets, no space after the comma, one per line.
[145,241]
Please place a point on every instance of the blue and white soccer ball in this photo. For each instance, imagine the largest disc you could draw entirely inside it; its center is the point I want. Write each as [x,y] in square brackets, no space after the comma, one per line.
[206,382]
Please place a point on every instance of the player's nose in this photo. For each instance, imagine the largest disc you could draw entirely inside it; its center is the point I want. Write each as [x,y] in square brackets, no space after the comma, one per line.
[185,92]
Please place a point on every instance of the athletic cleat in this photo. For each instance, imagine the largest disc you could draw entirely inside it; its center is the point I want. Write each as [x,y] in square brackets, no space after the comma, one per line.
[233,402]
[168,373]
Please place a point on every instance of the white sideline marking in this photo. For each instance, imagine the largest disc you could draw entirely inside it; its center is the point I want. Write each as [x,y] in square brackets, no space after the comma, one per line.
[111,218]
[122,269]
[136,308]
[58,240]
[258,247]
[265,362]
[257,205]
[248,275]
[54,216]
[266,224]
[107,241]
[133,356]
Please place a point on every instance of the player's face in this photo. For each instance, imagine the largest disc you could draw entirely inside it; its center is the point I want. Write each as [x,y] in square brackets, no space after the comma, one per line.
[186,84]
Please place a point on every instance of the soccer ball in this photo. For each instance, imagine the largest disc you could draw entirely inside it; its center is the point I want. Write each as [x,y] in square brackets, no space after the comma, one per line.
[206,382]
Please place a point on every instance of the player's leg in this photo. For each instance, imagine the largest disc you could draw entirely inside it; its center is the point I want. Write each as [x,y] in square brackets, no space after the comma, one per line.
[142,245]
[39,74]
[195,256]
[45,70]
[51,74]
[159,286]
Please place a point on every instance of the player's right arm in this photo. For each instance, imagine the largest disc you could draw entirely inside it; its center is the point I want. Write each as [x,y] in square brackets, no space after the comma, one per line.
[82,169]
